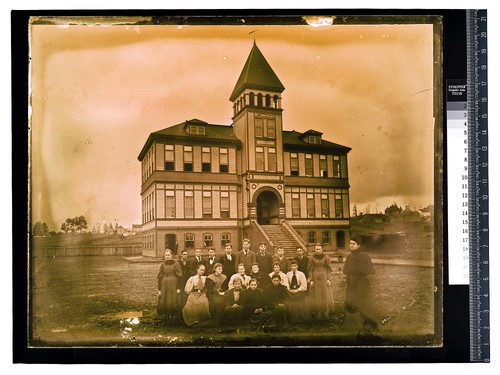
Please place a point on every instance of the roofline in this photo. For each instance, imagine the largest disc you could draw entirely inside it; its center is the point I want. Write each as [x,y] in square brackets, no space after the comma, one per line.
[307,147]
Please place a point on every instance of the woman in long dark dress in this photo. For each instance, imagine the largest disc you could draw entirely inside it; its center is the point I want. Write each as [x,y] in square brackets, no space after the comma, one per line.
[255,308]
[168,275]
[320,275]
[216,285]
[232,315]
[358,302]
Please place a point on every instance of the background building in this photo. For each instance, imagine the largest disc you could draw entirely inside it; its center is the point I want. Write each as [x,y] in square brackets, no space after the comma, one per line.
[204,185]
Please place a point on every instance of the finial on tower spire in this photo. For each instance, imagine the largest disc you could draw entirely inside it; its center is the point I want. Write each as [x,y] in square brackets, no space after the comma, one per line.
[253,32]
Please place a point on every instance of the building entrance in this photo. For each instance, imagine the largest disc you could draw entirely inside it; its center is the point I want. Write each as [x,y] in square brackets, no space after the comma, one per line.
[171,243]
[267,208]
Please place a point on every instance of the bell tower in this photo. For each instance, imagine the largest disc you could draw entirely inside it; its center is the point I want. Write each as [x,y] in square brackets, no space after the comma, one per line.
[257,122]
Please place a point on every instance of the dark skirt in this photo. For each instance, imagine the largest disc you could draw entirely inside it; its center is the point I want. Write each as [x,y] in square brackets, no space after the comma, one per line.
[297,304]
[167,301]
[232,317]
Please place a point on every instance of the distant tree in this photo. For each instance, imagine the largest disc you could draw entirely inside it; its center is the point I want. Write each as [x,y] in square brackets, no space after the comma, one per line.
[74,224]
[40,229]
[393,209]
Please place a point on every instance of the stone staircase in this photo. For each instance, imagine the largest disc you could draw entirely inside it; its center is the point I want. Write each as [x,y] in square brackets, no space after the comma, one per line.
[281,237]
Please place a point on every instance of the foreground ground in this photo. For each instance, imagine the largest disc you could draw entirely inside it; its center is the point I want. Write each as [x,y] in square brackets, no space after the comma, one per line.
[88,301]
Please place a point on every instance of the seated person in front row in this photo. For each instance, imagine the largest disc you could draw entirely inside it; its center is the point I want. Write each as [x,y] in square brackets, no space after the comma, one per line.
[277,271]
[276,299]
[255,308]
[262,278]
[232,315]
[196,308]
[245,279]
[297,289]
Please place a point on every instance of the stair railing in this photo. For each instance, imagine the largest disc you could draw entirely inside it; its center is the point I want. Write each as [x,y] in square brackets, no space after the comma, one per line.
[263,232]
[294,234]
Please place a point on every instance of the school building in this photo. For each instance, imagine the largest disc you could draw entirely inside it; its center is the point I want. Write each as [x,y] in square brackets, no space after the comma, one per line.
[204,185]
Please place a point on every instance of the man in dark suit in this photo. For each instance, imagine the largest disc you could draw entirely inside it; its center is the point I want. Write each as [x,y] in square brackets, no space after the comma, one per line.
[282,260]
[246,257]
[186,267]
[198,259]
[264,259]
[210,261]
[302,261]
[262,278]
[228,261]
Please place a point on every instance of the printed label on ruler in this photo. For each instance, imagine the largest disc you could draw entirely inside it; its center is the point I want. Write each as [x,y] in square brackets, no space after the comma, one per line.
[458,200]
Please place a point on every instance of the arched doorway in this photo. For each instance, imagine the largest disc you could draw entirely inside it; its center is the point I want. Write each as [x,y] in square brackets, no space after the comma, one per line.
[267,208]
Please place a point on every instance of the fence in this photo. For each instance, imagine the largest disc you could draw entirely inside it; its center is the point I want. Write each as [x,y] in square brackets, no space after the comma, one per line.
[70,251]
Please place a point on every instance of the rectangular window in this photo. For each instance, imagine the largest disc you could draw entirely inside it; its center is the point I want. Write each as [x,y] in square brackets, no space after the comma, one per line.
[271,129]
[169,203]
[206,159]
[338,205]
[207,204]
[225,238]
[272,159]
[326,238]
[223,160]
[259,159]
[169,158]
[259,127]
[310,205]
[208,240]
[188,158]
[311,237]
[189,240]
[295,205]
[188,204]
[336,167]
[224,204]
[196,130]
[323,171]
[294,164]
[314,139]
[325,209]
[309,165]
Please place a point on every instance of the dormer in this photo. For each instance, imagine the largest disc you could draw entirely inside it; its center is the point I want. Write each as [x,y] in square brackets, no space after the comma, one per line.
[195,127]
[312,137]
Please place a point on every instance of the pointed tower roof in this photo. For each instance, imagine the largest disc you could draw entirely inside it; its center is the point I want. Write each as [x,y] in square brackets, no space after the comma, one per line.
[257,74]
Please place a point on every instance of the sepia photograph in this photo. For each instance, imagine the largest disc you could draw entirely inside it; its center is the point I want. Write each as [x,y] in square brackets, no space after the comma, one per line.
[235,181]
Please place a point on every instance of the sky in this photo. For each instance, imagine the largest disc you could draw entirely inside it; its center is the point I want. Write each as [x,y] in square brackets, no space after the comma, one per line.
[98,91]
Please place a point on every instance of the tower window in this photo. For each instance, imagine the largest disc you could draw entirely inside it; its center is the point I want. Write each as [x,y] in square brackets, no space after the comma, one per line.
[271,128]
[268,100]
[259,127]
[188,158]
[272,159]
[259,100]
[223,160]
[294,164]
[275,101]
[259,159]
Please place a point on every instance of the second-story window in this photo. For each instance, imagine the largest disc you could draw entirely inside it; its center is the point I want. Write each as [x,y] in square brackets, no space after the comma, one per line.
[309,165]
[323,171]
[259,159]
[311,211]
[188,204]
[169,203]
[272,159]
[206,165]
[188,158]
[294,164]
[223,160]
[271,128]
[325,209]
[259,127]
[207,204]
[169,158]
[224,204]
[339,212]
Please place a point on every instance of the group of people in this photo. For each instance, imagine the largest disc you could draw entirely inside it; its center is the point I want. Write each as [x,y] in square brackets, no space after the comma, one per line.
[260,290]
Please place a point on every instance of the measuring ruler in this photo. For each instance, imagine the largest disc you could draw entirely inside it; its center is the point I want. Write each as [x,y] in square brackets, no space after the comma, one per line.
[477,100]
[468,236]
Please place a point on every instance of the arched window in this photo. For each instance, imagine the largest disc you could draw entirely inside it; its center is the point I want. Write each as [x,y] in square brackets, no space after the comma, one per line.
[268,100]
[252,99]
[275,101]
[259,100]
